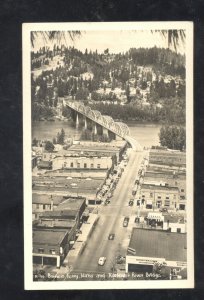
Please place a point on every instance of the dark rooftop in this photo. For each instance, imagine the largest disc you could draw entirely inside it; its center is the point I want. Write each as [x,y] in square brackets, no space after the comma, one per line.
[71,203]
[57,223]
[60,213]
[159,244]
[50,237]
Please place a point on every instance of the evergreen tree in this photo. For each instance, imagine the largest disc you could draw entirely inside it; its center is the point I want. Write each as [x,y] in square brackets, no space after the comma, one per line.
[61,137]
[49,146]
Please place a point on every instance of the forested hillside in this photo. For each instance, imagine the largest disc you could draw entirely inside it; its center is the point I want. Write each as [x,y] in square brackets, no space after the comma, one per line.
[142,84]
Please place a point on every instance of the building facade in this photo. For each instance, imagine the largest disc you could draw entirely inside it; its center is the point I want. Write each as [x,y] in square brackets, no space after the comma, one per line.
[156,196]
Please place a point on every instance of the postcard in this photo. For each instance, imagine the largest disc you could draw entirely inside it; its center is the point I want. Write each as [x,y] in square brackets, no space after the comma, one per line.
[108,155]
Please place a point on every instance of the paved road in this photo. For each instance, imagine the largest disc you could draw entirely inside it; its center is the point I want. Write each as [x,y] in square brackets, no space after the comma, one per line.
[111,221]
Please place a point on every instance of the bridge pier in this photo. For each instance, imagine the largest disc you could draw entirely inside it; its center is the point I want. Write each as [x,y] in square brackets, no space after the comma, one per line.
[77,120]
[94,128]
[105,131]
[85,123]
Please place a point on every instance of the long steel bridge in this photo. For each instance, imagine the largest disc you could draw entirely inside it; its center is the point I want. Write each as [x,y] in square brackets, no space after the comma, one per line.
[118,128]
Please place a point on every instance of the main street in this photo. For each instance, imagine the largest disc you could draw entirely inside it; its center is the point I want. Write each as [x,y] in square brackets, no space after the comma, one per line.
[111,221]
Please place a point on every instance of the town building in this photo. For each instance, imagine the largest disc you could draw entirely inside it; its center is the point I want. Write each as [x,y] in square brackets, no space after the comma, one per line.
[156,196]
[81,162]
[50,246]
[44,202]
[61,226]
[148,247]
[168,178]
[168,222]
[115,148]
[46,165]
[68,186]
[174,224]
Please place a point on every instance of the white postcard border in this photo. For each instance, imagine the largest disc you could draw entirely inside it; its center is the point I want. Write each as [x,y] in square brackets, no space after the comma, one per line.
[86,285]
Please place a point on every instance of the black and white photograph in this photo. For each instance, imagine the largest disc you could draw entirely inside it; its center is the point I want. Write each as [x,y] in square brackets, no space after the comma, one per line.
[108,155]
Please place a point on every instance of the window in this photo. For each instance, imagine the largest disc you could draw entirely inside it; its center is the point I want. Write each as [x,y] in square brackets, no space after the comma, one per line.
[65,164]
[167,203]
[92,165]
[182,190]
[167,197]
[98,166]
[78,165]
[158,197]
[85,166]
[151,195]
[44,206]
[52,251]
[71,165]
[40,250]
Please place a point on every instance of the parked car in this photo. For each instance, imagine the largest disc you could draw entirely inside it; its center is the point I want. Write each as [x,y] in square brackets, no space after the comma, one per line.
[126,221]
[163,209]
[102,261]
[131,202]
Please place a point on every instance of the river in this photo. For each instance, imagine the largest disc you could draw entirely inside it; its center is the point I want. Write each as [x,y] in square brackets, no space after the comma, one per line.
[145,134]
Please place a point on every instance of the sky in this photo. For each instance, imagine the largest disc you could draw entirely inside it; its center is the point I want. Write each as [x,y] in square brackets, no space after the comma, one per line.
[115,41]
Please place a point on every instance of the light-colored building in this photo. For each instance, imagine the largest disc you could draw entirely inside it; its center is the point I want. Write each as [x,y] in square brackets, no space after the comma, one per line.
[153,196]
[149,247]
[174,224]
[82,162]
[168,178]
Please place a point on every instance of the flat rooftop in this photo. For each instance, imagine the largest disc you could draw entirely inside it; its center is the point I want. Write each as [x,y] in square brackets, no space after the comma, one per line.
[78,173]
[46,199]
[66,213]
[173,219]
[166,152]
[98,147]
[83,152]
[71,203]
[158,187]
[50,237]
[63,183]
[159,244]
[58,223]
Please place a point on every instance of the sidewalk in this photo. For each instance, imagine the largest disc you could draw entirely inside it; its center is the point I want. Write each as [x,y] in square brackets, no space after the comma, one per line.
[81,242]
